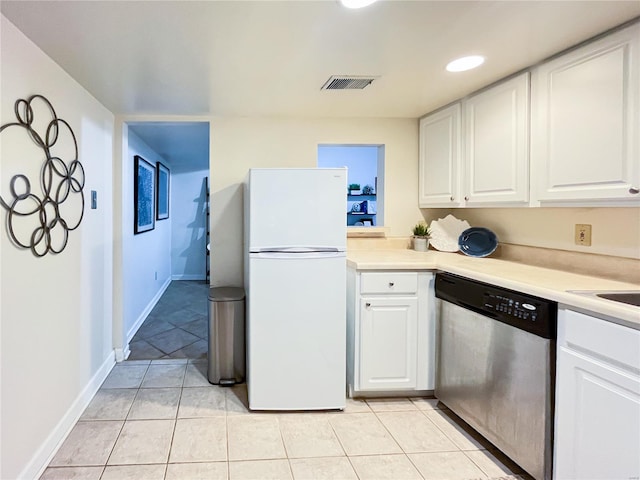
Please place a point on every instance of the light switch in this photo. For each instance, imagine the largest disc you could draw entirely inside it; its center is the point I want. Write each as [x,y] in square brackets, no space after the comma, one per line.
[94,199]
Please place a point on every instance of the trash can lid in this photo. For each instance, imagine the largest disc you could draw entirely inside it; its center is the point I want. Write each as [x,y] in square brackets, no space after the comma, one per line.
[226,294]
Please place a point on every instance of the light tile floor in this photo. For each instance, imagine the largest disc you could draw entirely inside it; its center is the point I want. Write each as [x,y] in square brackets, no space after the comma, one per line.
[162,419]
[177,325]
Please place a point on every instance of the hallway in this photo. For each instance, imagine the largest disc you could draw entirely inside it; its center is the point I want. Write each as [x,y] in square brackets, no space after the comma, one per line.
[177,325]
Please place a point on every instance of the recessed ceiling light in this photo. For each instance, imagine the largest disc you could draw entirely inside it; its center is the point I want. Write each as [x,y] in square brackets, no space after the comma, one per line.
[356,3]
[465,63]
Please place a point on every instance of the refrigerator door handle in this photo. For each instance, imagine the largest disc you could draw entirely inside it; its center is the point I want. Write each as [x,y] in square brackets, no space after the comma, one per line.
[299,255]
[306,249]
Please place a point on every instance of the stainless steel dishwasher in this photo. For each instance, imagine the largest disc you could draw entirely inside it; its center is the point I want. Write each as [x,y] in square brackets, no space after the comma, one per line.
[495,366]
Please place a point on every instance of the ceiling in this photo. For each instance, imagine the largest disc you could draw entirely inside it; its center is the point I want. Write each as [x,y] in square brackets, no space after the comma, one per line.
[270,58]
[184,145]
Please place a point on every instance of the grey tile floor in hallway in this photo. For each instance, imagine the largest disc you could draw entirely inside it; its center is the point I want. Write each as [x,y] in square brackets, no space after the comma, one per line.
[162,420]
[177,325]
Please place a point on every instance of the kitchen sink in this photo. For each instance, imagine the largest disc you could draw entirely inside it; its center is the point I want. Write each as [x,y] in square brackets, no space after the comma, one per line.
[630,297]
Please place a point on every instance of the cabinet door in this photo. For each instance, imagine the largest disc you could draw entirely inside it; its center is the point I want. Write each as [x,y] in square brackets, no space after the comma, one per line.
[597,399]
[496,142]
[440,151]
[388,343]
[597,420]
[586,124]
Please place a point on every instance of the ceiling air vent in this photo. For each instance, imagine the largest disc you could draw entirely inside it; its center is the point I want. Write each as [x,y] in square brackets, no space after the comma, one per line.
[347,82]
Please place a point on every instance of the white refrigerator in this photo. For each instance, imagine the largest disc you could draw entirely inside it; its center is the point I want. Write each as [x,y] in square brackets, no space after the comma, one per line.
[295,282]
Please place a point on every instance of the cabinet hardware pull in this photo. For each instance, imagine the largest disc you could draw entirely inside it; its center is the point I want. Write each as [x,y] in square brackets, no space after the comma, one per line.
[451,198]
[634,191]
[367,305]
[391,284]
[466,199]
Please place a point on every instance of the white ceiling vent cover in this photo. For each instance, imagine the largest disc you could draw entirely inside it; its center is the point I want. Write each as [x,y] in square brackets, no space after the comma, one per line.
[347,82]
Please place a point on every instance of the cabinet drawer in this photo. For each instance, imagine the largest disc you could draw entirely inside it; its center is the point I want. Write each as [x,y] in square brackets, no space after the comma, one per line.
[391,282]
[600,338]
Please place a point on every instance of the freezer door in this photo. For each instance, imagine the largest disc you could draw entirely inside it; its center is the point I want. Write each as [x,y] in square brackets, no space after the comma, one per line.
[297,207]
[296,333]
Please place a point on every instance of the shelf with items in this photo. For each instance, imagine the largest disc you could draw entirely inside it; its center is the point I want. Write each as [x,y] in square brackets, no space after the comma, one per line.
[361,210]
[362,206]
[361,219]
[361,197]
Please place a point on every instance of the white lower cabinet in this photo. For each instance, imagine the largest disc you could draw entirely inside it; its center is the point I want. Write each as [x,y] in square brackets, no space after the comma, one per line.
[388,346]
[391,331]
[597,429]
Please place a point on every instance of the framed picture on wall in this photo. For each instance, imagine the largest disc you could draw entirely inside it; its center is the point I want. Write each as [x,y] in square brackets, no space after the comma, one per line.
[144,186]
[163,177]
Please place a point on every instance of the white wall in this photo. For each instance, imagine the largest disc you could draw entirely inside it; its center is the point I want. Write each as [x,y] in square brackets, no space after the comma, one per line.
[238,144]
[55,312]
[146,256]
[188,234]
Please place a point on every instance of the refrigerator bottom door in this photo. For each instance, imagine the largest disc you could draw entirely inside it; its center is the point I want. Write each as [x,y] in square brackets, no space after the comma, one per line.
[296,333]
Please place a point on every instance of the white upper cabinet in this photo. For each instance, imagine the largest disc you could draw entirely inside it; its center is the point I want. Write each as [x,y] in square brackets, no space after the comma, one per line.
[440,151]
[586,123]
[496,144]
[477,152]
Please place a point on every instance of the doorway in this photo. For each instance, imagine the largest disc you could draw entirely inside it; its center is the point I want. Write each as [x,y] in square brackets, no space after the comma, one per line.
[365,180]
[164,268]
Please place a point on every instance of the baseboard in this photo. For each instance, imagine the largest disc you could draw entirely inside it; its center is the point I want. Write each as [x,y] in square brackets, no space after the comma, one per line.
[50,446]
[191,276]
[143,316]
[387,394]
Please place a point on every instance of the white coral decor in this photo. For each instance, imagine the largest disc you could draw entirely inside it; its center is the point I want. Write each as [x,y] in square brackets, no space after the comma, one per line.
[445,233]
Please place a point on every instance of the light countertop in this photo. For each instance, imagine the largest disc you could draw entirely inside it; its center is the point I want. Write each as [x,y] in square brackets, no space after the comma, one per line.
[542,282]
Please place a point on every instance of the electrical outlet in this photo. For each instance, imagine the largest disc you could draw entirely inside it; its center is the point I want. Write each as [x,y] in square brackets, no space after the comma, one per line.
[583,234]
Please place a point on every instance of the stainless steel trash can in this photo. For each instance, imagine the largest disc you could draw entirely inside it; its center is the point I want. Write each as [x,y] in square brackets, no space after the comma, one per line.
[226,336]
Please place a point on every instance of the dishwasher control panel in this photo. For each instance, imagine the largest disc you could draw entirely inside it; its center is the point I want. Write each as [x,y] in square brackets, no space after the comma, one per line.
[527,312]
[508,305]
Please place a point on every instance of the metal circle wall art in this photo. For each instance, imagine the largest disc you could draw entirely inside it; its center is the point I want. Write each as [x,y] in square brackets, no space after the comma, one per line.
[42,223]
